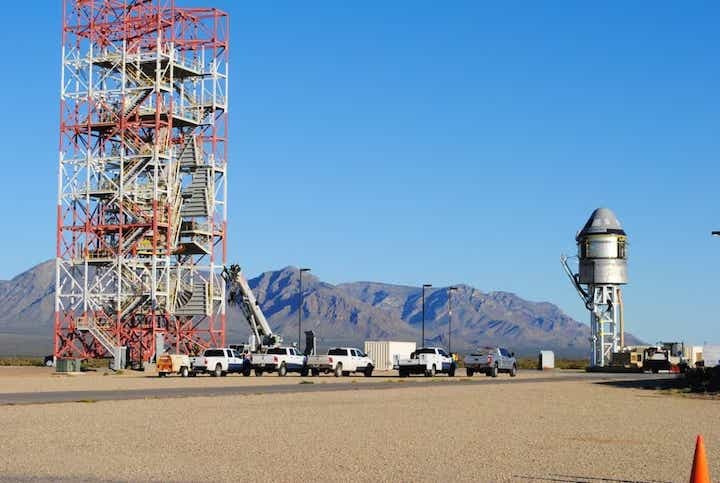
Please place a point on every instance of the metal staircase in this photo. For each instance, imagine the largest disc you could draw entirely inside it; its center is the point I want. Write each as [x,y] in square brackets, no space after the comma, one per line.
[197,195]
[136,100]
[194,301]
[191,153]
[117,352]
[134,166]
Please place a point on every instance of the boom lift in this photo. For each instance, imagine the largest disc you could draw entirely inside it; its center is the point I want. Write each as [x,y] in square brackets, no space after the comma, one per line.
[239,293]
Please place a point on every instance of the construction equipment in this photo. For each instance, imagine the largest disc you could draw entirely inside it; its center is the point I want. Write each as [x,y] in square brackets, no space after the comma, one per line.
[239,293]
[630,358]
[666,356]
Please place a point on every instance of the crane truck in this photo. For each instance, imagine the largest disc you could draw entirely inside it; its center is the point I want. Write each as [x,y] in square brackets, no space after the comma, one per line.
[239,293]
[264,352]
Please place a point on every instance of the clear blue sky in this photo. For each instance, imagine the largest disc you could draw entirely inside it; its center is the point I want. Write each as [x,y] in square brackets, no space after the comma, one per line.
[442,142]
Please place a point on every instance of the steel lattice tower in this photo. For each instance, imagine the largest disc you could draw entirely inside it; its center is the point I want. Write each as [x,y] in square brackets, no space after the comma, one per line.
[142,214]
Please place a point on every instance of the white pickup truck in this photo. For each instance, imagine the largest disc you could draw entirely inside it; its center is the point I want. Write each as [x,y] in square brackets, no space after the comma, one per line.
[341,361]
[220,361]
[428,361]
[281,360]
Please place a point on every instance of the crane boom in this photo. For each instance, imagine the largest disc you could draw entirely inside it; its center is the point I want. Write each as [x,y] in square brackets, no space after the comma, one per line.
[239,293]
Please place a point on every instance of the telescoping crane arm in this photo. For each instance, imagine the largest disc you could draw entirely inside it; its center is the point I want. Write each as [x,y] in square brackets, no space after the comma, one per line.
[240,294]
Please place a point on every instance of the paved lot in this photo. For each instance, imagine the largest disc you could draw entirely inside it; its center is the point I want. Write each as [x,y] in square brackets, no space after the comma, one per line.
[40,385]
[562,429]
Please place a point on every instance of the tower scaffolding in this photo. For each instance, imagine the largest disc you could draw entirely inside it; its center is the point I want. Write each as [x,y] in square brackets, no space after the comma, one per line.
[141,214]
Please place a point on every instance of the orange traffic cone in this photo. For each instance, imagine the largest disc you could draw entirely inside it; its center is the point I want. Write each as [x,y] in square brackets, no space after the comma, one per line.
[700,472]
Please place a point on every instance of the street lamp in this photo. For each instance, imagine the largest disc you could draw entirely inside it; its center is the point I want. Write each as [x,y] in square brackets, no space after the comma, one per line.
[450,291]
[300,296]
[716,233]
[427,285]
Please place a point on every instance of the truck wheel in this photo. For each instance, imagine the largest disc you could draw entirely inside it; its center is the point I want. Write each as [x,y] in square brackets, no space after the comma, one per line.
[513,371]
[338,370]
[282,370]
[218,371]
[431,372]
[258,372]
[403,373]
[246,371]
[304,371]
[161,374]
[469,372]
[315,372]
[451,372]
[368,371]
[184,372]
[494,371]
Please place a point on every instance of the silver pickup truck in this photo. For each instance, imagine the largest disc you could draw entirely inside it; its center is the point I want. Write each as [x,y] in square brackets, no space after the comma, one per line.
[491,361]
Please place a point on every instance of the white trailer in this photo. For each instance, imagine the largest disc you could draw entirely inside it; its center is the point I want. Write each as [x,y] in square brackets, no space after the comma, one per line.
[386,353]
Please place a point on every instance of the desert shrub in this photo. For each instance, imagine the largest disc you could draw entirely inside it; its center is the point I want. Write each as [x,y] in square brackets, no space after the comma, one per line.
[21,361]
[532,363]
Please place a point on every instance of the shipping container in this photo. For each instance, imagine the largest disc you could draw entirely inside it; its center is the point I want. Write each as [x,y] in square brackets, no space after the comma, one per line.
[546,360]
[384,352]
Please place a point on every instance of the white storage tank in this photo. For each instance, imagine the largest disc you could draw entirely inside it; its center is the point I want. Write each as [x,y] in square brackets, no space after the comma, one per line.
[546,360]
[383,352]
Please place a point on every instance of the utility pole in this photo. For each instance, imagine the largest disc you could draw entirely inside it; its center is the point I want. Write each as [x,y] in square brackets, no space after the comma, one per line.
[300,296]
[450,291]
[426,285]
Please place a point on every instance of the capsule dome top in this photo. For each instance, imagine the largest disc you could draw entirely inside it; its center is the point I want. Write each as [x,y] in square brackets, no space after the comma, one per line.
[602,221]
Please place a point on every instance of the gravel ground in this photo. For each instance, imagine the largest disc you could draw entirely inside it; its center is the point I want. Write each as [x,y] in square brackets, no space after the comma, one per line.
[569,431]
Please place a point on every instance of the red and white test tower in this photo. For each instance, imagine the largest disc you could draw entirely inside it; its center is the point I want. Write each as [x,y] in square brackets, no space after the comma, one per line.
[142,213]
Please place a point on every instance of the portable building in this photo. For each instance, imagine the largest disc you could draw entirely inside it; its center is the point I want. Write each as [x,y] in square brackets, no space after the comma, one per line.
[546,360]
[384,352]
[711,355]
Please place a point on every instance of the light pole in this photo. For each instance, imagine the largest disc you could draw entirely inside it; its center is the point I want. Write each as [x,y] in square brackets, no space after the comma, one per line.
[300,296]
[450,291]
[426,285]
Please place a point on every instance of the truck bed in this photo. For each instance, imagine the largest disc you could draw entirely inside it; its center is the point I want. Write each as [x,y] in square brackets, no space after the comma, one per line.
[320,361]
